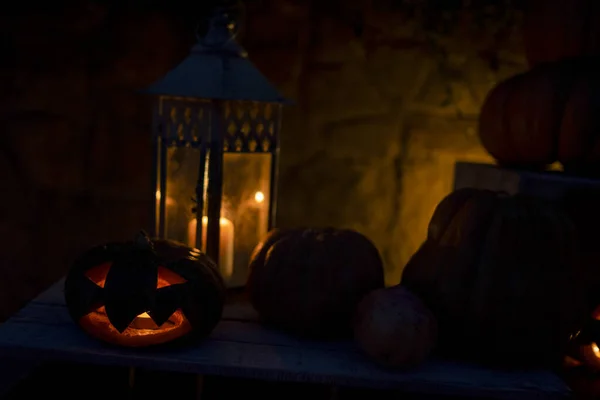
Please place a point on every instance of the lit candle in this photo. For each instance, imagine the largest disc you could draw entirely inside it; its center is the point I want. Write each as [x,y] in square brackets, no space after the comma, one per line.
[259,197]
[261,209]
[225,242]
[168,203]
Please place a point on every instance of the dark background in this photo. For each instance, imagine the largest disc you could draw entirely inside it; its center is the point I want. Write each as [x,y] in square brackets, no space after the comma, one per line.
[387,95]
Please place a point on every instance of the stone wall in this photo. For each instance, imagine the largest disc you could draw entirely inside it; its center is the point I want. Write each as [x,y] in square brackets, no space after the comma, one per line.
[385,105]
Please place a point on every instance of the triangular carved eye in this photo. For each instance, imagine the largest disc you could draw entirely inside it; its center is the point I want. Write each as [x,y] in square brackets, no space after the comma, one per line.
[166,277]
[98,273]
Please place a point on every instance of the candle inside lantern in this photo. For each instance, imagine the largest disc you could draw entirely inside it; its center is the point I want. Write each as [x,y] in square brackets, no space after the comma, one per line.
[259,197]
[226,238]
[168,201]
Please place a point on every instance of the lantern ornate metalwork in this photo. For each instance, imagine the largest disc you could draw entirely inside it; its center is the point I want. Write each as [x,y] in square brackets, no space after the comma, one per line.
[215,133]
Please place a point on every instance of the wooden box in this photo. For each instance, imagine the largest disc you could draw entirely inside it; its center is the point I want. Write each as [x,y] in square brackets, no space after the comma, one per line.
[551,185]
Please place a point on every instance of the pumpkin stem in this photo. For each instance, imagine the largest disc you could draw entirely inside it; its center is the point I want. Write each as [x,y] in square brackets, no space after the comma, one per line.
[143,241]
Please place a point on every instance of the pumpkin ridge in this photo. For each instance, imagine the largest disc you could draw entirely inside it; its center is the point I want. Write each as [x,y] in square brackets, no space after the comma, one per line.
[476,247]
[497,98]
[591,140]
[449,206]
[504,120]
[564,88]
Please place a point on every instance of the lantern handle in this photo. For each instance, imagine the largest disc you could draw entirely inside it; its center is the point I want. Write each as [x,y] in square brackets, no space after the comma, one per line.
[221,27]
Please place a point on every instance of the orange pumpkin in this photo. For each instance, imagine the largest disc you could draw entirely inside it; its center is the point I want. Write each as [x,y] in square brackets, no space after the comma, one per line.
[309,281]
[547,114]
[144,293]
[557,29]
[501,275]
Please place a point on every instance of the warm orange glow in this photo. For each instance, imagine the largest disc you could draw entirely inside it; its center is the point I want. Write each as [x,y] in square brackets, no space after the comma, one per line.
[590,353]
[143,331]
[144,321]
[169,201]
[226,240]
[259,197]
[166,277]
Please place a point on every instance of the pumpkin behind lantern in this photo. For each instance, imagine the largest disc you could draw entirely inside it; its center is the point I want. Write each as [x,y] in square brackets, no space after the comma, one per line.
[144,293]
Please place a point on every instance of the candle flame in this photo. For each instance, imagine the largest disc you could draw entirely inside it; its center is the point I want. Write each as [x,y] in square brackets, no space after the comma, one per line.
[169,201]
[259,197]
[222,221]
[595,349]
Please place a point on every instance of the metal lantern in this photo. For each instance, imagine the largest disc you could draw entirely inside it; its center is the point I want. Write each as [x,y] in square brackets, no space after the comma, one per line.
[215,129]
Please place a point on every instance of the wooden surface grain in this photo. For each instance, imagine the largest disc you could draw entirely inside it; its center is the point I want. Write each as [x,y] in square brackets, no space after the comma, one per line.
[239,346]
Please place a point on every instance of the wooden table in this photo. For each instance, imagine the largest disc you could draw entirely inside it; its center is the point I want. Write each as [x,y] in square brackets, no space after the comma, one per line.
[240,347]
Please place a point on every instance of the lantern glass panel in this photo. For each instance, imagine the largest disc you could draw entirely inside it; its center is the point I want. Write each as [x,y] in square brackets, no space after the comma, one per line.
[244,208]
[248,130]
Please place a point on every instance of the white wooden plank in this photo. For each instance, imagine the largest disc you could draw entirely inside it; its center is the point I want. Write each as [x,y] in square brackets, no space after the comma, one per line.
[240,312]
[53,295]
[239,346]
[271,362]
[227,330]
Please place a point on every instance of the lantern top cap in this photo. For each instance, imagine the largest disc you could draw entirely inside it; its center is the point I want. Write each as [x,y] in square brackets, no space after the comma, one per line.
[217,68]
[220,37]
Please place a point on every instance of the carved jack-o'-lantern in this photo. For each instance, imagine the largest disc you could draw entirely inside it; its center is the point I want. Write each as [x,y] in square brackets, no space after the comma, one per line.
[145,292]
[585,350]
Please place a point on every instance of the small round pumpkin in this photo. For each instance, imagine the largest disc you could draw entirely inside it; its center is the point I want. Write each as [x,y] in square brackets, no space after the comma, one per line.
[557,29]
[547,114]
[502,275]
[144,292]
[309,281]
[394,328]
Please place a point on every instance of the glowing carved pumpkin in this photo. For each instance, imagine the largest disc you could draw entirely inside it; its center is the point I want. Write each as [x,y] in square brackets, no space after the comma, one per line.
[145,292]
[584,348]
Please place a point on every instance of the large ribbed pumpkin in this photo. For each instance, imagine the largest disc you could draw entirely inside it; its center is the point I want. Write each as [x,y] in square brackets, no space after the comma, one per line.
[309,281]
[548,114]
[557,29]
[501,275]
